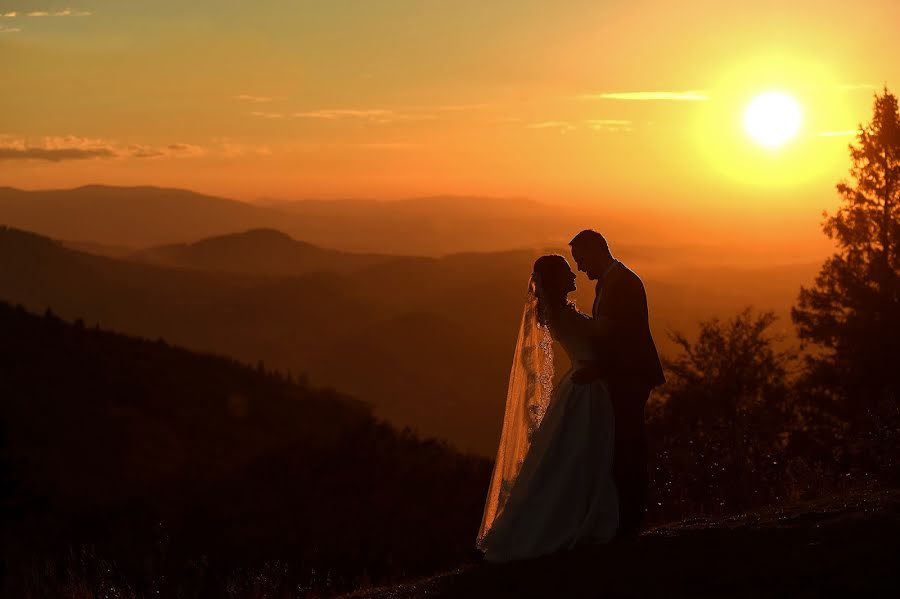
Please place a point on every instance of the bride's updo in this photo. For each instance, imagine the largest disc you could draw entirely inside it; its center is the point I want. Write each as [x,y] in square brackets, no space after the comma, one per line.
[555,280]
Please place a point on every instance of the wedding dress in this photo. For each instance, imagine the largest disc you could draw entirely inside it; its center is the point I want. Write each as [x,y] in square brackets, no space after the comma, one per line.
[552,485]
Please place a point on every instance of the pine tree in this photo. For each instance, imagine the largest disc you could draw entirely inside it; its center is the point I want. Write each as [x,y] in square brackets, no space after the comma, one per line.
[852,312]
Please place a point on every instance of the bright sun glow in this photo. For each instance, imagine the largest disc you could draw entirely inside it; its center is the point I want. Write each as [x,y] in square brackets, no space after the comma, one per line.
[772,119]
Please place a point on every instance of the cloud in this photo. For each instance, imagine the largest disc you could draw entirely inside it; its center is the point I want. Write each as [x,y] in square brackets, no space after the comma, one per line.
[561,125]
[375,115]
[685,96]
[232,149]
[339,113]
[40,13]
[398,145]
[53,155]
[70,13]
[253,99]
[610,125]
[268,115]
[167,151]
[60,13]
[459,107]
[54,149]
[70,147]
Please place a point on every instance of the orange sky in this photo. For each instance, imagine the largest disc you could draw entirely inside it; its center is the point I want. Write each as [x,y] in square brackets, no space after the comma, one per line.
[632,104]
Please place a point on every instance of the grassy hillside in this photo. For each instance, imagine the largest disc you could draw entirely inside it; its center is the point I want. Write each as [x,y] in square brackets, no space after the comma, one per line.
[843,546]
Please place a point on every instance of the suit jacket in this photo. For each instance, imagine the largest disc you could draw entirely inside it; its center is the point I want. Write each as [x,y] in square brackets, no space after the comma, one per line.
[628,354]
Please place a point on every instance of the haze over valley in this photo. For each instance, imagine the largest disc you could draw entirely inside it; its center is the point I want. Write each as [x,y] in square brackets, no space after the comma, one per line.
[426,339]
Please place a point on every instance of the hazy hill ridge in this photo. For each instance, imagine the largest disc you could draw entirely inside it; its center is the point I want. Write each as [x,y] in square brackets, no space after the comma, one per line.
[127,216]
[257,252]
[139,217]
[399,333]
[427,340]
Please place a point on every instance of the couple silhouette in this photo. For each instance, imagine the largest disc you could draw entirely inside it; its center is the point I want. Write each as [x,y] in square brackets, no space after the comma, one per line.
[571,466]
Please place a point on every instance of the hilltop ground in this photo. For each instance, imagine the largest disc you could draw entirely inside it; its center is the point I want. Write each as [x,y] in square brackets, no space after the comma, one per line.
[842,546]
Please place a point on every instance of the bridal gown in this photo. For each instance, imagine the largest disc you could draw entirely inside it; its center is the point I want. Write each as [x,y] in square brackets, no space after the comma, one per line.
[564,493]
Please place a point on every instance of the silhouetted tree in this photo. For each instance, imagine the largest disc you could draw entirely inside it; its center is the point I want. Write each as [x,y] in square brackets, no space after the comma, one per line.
[722,424]
[733,367]
[853,309]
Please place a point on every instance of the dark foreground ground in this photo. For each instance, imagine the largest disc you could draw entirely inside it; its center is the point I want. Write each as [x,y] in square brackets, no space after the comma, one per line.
[845,546]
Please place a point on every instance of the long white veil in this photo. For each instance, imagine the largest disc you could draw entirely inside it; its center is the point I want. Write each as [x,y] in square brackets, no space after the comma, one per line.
[527,398]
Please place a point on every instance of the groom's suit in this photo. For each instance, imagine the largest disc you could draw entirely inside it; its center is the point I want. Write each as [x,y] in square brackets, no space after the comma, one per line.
[630,364]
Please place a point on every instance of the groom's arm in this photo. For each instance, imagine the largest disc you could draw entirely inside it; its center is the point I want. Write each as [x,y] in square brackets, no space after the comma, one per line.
[628,309]
[598,329]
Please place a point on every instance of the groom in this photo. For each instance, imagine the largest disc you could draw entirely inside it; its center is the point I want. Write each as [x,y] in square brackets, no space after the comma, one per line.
[629,363]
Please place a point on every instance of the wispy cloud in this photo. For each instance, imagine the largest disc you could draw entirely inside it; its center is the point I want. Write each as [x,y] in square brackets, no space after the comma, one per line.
[334,114]
[685,96]
[253,99]
[268,115]
[40,13]
[375,115]
[53,154]
[234,149]
[561,125]
[389,145]
[167,151]
[610,125]
[59,13]
[842,133]
[458,107]
[70,147]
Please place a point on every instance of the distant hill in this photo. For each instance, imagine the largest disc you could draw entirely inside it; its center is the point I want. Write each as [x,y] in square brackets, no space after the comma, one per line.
[128,216]
[257,252]
[106,219]
[174,468]
[448,224]
[428,341]
[400,334]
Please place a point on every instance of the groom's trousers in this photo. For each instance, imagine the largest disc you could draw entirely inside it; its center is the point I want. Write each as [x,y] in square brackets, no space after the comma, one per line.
[630,459]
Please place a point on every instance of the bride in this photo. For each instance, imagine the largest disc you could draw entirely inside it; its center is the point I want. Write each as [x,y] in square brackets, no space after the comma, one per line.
[552,486]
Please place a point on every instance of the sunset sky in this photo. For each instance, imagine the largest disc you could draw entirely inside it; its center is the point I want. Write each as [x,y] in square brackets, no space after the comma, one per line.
[634,104]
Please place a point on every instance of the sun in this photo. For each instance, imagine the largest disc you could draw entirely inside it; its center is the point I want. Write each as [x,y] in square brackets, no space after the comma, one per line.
[772,119]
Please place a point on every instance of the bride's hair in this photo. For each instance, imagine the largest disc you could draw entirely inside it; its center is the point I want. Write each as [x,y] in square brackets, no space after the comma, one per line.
[552,282]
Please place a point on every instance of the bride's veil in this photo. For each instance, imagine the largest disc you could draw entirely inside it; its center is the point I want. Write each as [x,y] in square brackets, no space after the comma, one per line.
[530,387]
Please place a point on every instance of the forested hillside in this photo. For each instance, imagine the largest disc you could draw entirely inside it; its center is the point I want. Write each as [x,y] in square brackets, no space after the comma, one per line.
[181,468]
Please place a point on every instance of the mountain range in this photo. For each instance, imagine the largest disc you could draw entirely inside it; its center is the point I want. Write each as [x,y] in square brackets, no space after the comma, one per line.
[426,340]
[140,217]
